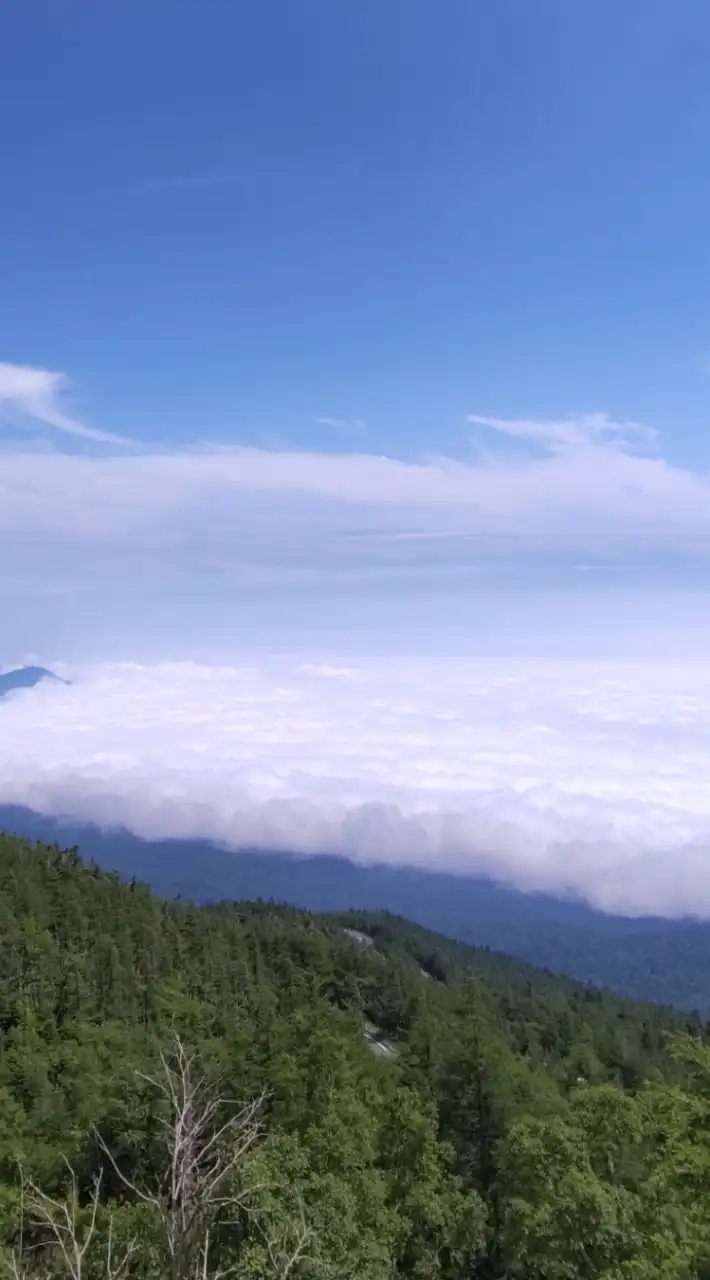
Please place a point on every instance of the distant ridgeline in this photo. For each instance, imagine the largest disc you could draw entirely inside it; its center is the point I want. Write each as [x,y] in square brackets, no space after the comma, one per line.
[332,1096]
[25,678]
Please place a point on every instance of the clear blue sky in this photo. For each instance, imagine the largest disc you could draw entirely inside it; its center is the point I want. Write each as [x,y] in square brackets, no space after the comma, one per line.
[227,220]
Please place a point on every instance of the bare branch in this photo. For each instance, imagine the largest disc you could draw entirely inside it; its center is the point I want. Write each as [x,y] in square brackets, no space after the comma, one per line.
[202,1154]
[69,1230]
[117,1267]
[204,1191]
[284,1258]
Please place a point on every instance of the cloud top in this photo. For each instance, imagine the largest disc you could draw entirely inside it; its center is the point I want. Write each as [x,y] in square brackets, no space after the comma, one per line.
[565,777]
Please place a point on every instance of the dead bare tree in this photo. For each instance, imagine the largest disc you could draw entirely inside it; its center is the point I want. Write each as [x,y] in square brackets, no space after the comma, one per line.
[205,1187]
[201,1189]
[69,1228]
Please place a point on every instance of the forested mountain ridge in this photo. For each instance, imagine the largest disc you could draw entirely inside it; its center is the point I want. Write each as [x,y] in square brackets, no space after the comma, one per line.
[633,1033]
[646,959]
[190,1091]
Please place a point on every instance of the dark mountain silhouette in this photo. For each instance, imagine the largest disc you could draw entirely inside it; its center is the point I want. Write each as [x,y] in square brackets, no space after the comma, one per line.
[648,959]
[25,678]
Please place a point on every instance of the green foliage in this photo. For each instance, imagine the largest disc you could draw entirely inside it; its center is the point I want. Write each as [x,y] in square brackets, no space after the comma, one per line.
[523,1126]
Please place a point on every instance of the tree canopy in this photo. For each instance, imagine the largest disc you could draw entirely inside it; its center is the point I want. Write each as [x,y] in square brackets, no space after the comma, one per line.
[247,1089]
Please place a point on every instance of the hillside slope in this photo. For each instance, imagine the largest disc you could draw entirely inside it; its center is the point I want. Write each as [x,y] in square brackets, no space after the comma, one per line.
[646,959]
[514,1130]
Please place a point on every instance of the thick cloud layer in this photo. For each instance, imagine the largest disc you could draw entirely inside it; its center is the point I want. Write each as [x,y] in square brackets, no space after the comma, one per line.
[565,776]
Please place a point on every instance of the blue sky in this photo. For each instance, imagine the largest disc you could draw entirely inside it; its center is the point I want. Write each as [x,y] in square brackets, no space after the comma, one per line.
[331,235]
[354,373]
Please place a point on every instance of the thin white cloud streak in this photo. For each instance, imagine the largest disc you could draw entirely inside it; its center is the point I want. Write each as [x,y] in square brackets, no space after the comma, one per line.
[588,430]
[185,182]
[341,424]
[36,394]
[556,776]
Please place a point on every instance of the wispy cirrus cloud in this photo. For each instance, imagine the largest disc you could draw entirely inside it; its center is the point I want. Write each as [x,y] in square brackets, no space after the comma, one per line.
[341,424]
[588,430]
[36,394]
[585,499]
[582,490]
[185,182]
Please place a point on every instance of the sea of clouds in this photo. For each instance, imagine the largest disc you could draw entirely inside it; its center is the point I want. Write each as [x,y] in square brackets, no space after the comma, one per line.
[565,776]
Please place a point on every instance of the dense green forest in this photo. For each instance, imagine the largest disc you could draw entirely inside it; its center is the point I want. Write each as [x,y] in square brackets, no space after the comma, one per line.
[667,961]
[249,1090]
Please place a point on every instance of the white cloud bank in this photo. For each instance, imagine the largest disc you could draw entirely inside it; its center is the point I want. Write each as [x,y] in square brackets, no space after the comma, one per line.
[584,487]
[566,776]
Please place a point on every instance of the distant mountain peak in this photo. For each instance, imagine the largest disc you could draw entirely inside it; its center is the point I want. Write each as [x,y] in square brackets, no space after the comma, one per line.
[26,678]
